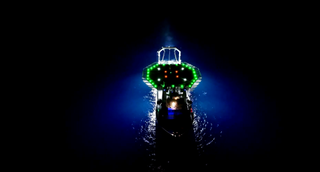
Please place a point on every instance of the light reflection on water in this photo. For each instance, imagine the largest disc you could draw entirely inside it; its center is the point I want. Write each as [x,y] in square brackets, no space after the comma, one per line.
[148,128]
[205,132]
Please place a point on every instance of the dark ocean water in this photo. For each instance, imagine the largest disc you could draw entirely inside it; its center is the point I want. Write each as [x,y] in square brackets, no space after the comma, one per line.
[109,111]
[113,126]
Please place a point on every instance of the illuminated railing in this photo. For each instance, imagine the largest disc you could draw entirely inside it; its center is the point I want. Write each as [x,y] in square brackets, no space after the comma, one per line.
[177,60]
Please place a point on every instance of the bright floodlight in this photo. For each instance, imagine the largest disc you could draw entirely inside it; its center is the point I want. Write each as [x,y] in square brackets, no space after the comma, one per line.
[173,104]
[158,79]
[184,79]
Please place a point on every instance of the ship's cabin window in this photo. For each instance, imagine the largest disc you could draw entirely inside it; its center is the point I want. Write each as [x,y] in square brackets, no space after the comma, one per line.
[176,103]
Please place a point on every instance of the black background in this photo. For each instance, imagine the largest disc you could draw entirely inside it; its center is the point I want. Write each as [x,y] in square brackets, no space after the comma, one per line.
[250,40]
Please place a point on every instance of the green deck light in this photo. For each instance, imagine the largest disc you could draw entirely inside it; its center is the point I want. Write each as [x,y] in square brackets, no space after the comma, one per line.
[166,74]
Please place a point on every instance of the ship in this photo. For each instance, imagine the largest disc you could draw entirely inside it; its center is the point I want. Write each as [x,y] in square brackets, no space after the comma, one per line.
[173,81]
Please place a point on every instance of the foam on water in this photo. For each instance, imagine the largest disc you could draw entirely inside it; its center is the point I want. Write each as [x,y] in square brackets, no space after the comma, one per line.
[204,131]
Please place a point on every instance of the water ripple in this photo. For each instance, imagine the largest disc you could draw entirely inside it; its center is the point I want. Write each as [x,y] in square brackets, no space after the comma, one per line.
[204,132]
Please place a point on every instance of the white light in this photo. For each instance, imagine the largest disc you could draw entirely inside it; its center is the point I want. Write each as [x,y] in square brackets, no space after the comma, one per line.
[158,68]
[184,79]
[182,68]
[173,105]
[160,92]
[158,79]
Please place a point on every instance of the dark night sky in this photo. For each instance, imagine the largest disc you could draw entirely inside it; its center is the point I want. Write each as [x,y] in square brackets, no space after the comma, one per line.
[239,43]
[250,42]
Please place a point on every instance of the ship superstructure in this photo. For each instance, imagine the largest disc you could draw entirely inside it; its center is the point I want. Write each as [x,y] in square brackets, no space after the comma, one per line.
[173,80]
